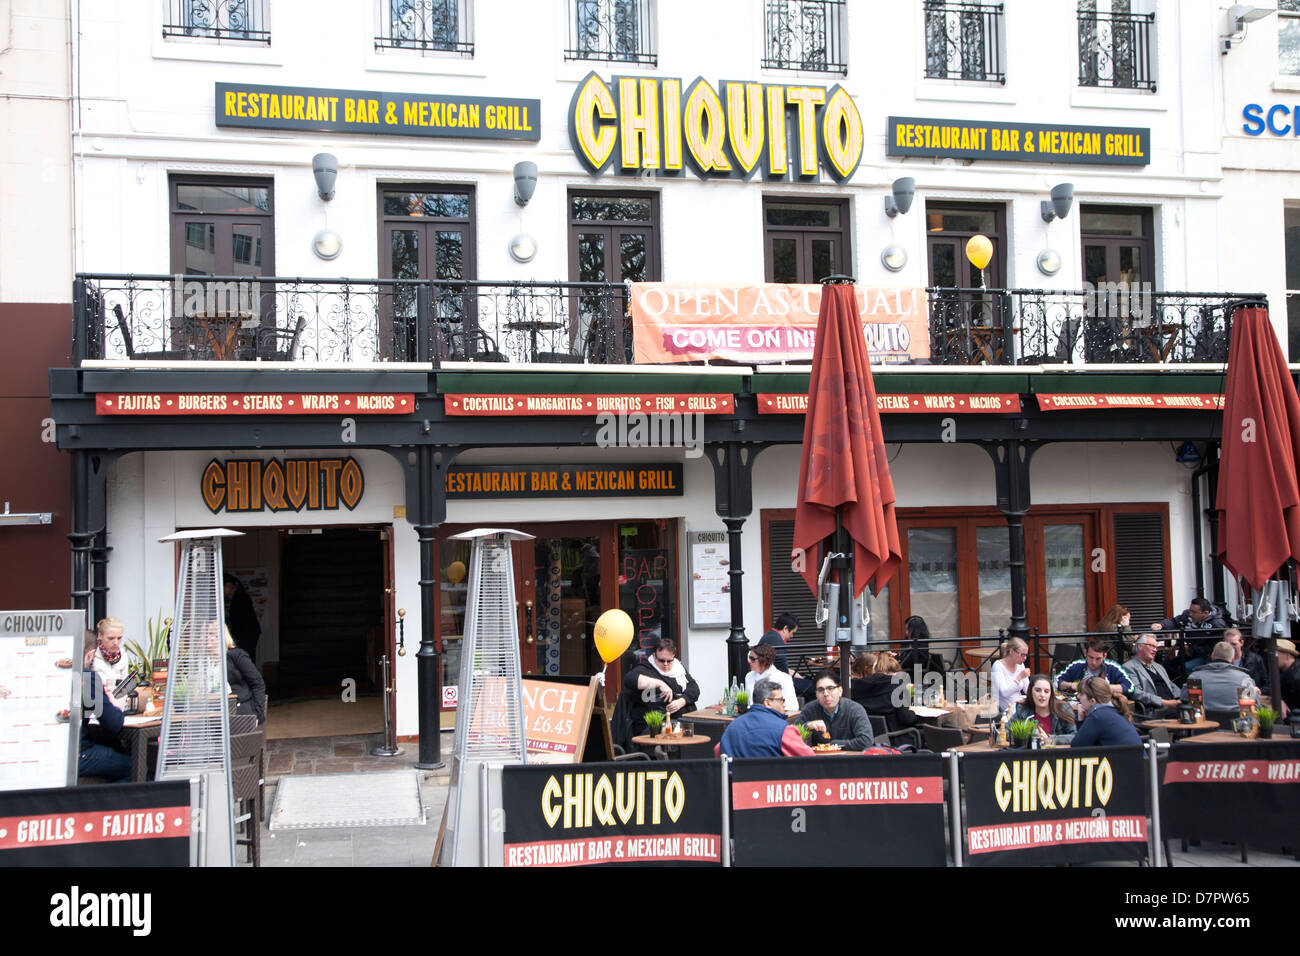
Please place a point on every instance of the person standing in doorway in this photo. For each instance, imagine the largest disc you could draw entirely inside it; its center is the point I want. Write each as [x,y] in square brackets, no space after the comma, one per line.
[241,618]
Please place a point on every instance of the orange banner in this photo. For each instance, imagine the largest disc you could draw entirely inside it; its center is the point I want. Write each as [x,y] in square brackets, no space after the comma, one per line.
[693,322]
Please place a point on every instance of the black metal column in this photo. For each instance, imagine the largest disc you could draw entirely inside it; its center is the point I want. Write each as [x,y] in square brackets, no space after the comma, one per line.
[431,510]
[1011,467]
[97,522]
[81,536]
[733,500]
[1217,592]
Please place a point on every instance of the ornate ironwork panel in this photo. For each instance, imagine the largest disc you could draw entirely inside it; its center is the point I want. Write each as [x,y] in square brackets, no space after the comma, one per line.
[963,41]
[430,26]
[804,35]
[218,20]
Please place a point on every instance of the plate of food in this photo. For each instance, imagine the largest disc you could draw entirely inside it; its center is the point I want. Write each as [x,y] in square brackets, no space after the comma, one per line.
[827,748]
[64,662]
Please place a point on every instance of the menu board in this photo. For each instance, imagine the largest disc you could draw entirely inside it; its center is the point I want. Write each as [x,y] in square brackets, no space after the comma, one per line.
[557,714]
[40,698]
[710,585]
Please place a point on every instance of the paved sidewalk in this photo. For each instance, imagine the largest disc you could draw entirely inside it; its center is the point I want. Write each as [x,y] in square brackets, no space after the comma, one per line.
[413,845]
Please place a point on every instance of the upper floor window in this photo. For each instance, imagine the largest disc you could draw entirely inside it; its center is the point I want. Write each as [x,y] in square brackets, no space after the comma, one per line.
[1288,37]
[429,26]
[963,41]
[1116,45]
[241,20]
[613,30]
[804,35]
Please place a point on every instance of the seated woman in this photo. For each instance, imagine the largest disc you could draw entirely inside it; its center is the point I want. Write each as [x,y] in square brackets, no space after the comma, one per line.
[659,682]
[876,688]
[1105,721]
[1116,621]
[1009,675]
[762,666]
[1044,706]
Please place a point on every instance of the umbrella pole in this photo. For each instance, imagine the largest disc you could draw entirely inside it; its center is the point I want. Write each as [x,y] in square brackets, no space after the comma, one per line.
[844,613]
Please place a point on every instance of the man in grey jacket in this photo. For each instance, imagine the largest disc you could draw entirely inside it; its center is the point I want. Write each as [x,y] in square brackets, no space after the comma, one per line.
[1221,681]
[1152,686]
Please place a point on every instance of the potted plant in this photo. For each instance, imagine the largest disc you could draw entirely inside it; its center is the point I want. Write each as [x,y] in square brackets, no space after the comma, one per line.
[149,662]
[1267,717]
[742,702]
[1022,731]
[654,721]
[805,733]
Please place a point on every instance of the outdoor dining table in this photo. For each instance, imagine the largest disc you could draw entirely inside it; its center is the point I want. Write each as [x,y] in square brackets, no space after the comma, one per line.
[672,743]
[139,729]
[929,713]
[1177,728]
[1232,737]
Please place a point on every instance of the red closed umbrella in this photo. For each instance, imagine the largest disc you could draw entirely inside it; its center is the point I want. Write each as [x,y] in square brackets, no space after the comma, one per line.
[1259,492]
[844,480]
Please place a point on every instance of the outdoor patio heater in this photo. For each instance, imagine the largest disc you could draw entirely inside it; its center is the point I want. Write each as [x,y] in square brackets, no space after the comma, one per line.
[489,706]
[195,737]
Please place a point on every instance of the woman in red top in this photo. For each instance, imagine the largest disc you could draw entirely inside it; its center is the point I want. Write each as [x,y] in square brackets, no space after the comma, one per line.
[1047,709]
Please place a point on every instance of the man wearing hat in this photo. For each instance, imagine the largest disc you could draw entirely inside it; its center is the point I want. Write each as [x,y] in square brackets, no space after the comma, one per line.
[1288,676]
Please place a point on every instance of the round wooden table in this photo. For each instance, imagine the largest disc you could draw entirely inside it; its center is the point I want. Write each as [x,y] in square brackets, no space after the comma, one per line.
[1177,727]
[672,743]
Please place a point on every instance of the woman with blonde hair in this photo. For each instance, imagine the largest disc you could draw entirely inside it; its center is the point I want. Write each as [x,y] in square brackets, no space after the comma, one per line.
[1009,675]
[1105,721]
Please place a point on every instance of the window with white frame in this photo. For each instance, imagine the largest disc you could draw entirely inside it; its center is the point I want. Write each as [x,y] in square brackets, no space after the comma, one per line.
[804,35]
[612,30]
[241,21]
[1288,37]
[426,26]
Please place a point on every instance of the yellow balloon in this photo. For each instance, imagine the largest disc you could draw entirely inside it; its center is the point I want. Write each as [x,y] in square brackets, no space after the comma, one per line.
[456,572]
[979,251]
[613,634]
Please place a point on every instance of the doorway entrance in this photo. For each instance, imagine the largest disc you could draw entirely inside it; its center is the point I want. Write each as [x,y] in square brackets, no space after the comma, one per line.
[565,577]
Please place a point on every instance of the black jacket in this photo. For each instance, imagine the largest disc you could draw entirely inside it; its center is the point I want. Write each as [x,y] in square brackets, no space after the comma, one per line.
[876,694]
[108,730]
[638,701]
[242,621]
[1290,680]
[246,683]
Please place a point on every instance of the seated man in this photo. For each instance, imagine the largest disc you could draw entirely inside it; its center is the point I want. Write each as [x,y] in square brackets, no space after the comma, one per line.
[1094,663]
[1252,663]
[762,731]
[1221,680]
[1289,676]
[1200,616]
[840,722]
[110,663]
[1152,686]
[99,753]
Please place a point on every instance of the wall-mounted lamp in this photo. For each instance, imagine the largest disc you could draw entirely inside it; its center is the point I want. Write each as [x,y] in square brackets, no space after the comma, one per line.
[1059,206]
[1049,262]
[325,167]
[1239,14]
[893,257]
[904,190]
[523,247]
[525,182]
[327,244]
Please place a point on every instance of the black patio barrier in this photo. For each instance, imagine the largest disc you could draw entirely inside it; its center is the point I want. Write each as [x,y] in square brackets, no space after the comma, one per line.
[1234,792]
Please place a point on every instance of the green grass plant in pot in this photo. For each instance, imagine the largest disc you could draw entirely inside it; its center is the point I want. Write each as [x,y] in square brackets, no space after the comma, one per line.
[1267,717]
[805,733]
[742,702]
[1022,731]
[654,721]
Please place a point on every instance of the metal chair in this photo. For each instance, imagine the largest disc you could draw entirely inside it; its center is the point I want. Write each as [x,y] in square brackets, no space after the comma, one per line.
[246,755]
[269,339]
[128,342]
[1223,718]
[556,358]
[475,347]
[940,739]
[882,734]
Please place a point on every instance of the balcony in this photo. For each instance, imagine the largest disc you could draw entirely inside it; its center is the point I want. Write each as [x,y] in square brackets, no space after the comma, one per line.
[804,35]
[1116,50]
[426,26]
[222,20]
[963,41]
[353,321]
[615,31]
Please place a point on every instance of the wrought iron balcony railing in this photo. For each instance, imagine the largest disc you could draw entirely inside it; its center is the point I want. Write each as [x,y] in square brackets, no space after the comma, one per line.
[429,26]
[804,35]
[618,31]
[963,41]
[1099,326]
[242,20]
[1117,50]
[237,318]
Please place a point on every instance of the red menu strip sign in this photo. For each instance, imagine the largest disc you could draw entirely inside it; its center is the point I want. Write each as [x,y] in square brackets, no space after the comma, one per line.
[941,403]
[254,403]
[95,826]
[1051,402]
[589,404]
[835,792]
